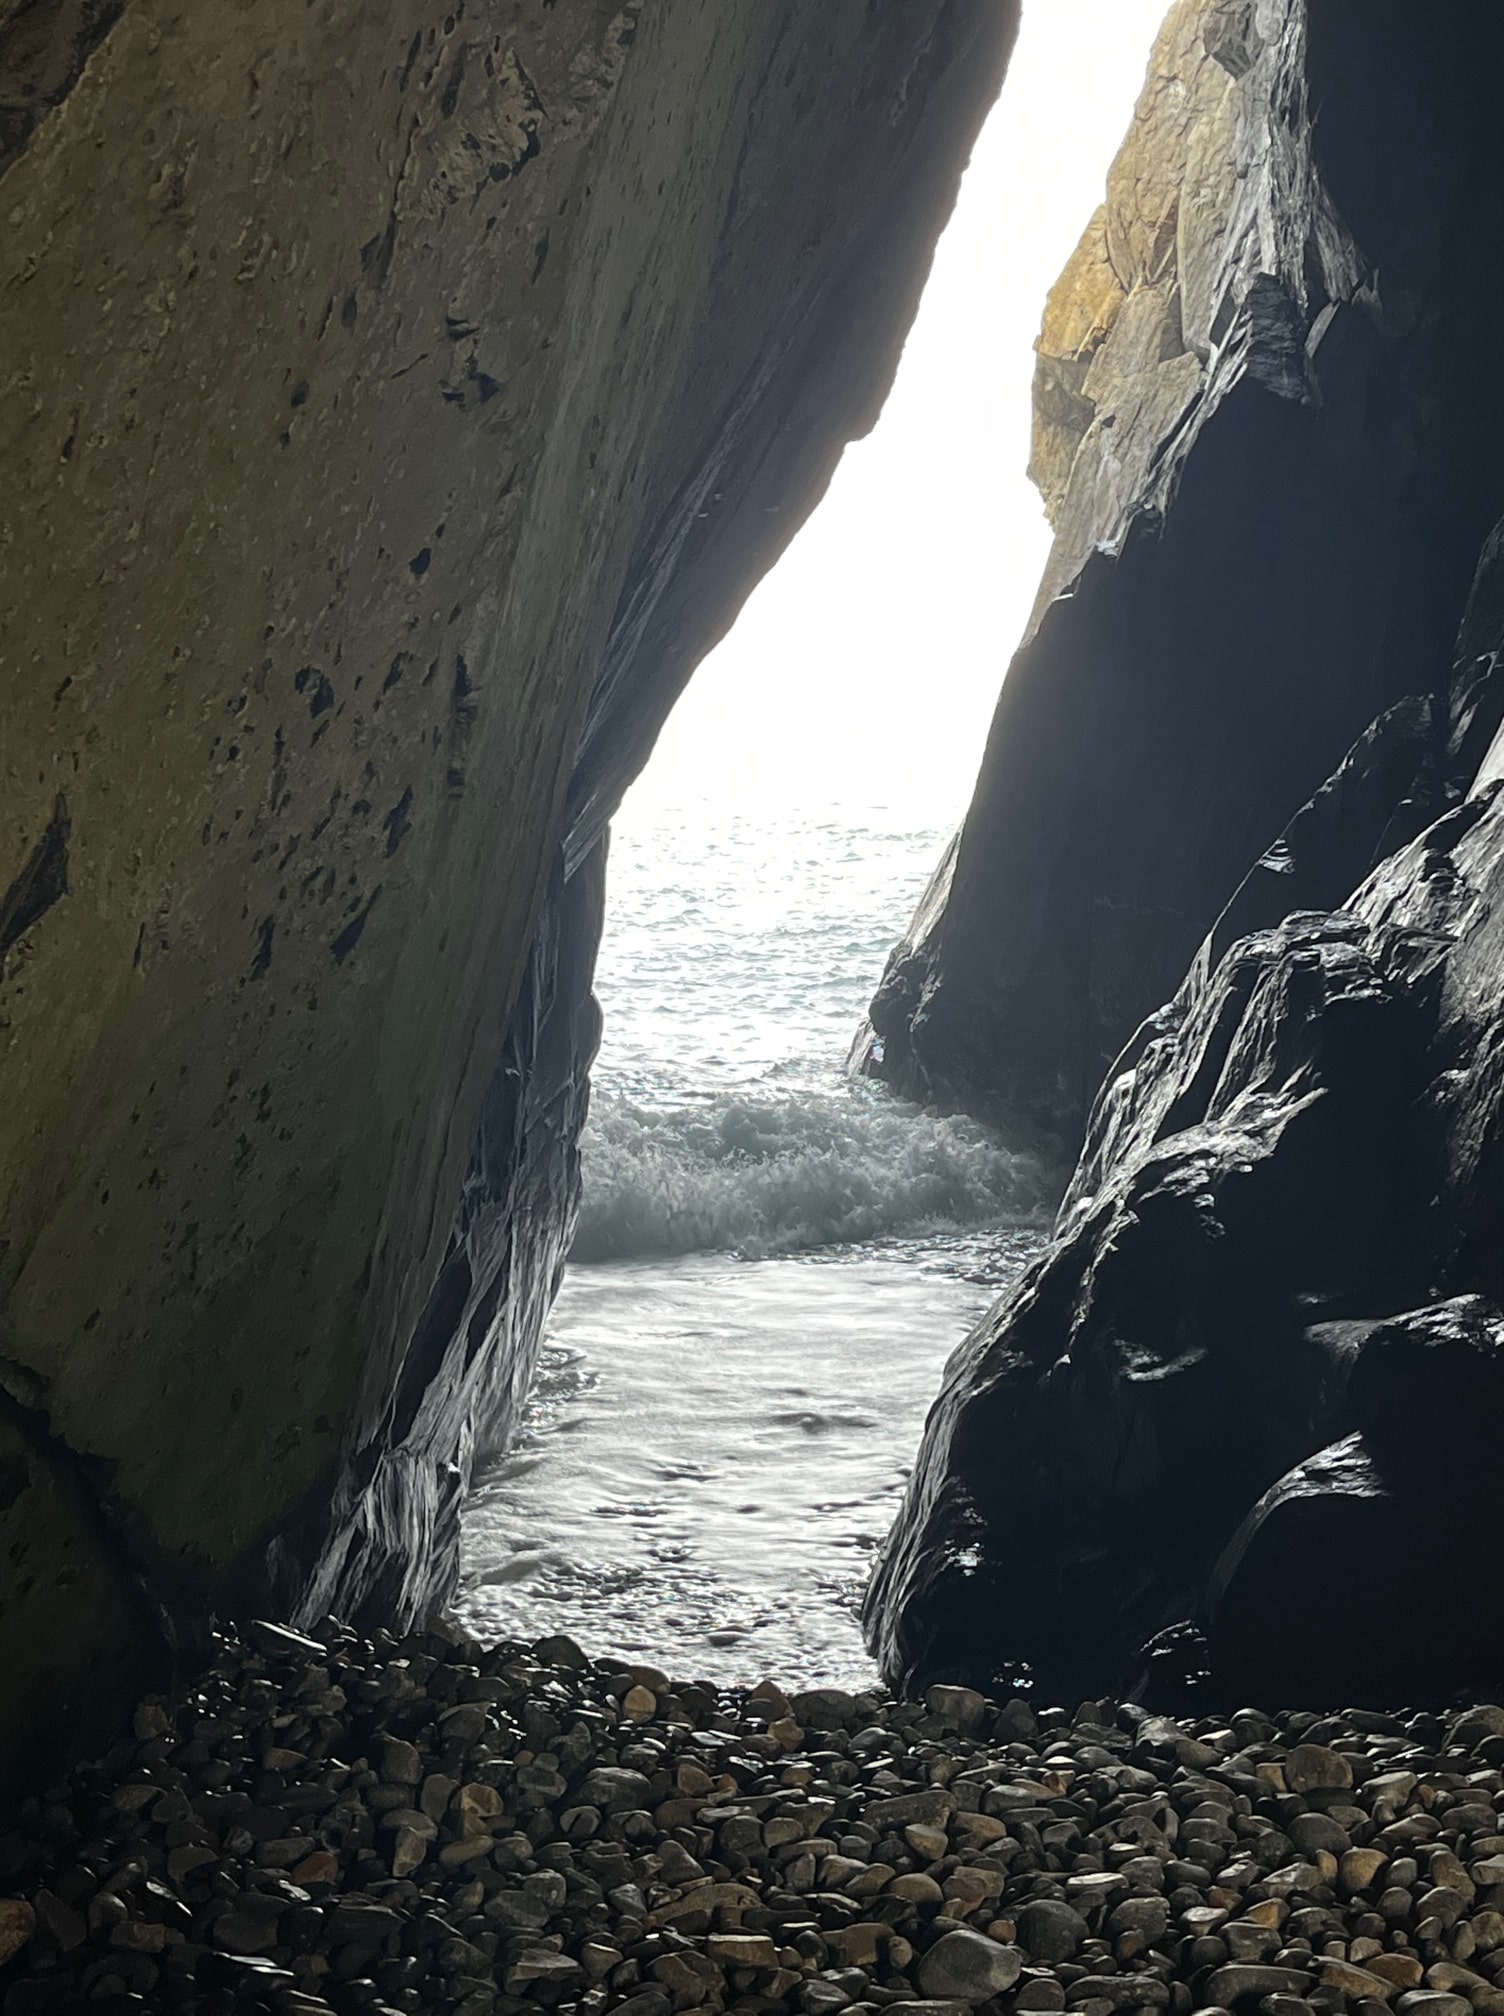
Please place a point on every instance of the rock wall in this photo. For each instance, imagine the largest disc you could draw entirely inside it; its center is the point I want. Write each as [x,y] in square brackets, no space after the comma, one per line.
[398,400]
[1265,1353]
[1258,434]
[1235,1434]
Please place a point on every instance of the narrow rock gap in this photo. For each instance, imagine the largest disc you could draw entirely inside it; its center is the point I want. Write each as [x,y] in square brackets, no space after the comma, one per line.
[1219,929]
[773,1260]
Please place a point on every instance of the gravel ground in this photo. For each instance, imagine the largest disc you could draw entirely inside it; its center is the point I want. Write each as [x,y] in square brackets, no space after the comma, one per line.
[332,1824]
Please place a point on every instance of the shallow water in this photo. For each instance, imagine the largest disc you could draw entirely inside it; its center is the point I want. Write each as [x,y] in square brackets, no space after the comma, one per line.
[773,1265]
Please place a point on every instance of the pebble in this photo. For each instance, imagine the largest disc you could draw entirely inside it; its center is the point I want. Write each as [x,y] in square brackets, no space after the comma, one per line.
[1311,1767]
[325,1824]
[966,1966]
[1052,1930]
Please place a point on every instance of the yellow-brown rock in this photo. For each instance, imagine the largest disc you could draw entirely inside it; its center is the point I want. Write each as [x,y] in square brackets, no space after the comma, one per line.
[18,1923]
[1178,148]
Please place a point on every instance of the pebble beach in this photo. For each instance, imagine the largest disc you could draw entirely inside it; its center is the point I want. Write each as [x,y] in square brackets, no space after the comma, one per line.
[339,1826]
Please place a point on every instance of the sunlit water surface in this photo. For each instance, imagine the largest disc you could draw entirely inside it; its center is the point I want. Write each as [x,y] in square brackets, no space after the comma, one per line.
[772,1267]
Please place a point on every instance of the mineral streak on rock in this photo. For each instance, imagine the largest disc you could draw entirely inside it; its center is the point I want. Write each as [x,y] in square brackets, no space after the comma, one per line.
[1257,434]
[334,1825]
[397,402]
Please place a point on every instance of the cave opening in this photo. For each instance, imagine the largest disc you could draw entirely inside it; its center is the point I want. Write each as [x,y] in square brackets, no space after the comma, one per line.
[774,1257]
[290,1170]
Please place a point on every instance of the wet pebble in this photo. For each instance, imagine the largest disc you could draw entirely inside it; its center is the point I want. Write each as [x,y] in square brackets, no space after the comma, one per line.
[330,1825]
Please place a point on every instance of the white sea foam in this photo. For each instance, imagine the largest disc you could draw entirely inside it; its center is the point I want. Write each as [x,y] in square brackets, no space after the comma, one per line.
[769,1173]
[779,1263]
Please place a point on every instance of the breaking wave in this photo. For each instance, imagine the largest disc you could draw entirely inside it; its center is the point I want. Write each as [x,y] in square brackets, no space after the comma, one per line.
[758,1174]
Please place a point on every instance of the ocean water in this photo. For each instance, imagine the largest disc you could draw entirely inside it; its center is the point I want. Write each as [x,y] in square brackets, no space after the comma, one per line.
[772,1266]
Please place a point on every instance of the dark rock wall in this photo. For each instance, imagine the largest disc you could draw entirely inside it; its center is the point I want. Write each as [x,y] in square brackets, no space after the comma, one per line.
[1236,1433]
[1245,1348]
[1258,430]
[398,400]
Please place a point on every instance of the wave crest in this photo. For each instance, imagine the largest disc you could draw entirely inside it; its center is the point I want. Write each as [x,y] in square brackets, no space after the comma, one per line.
[759,1174]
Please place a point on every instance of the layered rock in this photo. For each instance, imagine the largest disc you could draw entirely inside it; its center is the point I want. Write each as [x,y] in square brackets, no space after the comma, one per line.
[397,403]
[1259,435]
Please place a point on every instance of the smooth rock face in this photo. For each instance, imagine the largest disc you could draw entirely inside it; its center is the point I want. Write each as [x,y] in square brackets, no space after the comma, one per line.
[1260,433]
[397,404]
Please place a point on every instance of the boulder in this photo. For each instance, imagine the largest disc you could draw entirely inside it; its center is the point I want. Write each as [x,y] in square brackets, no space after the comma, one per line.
[1266,1339]
[1391,1533]
[1187,1338]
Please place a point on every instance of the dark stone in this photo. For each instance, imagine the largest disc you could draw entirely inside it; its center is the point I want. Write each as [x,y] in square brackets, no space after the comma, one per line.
[1305,1139]
[1411,1505]
[1290,564]
[1052,1931]
[1097,1440]
[1244,1414]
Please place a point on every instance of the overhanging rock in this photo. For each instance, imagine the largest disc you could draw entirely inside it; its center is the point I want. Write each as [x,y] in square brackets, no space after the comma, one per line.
[397,402]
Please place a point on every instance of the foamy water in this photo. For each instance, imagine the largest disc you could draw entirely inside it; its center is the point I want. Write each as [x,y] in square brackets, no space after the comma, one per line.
[772,1266]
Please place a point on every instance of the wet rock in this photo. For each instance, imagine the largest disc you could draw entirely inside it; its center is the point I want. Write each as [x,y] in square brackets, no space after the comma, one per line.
[967,1967]
[775,1889]
[1262,996]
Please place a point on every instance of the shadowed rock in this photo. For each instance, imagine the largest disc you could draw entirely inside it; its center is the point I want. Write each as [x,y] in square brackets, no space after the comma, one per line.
[1226,1365]
[1399,1523]
[1258,431]
[398,402]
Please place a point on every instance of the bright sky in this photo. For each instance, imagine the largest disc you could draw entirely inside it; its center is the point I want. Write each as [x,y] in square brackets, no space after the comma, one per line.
[865,668]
